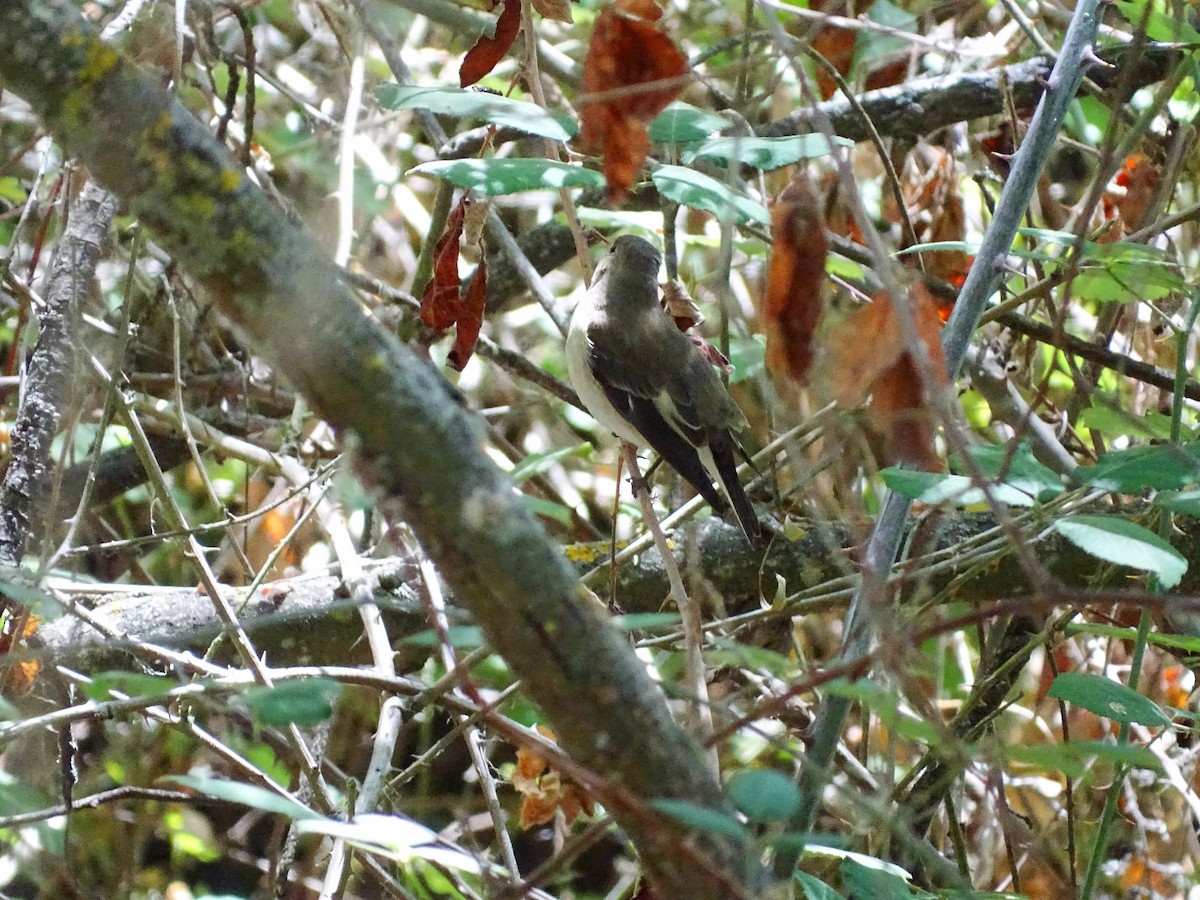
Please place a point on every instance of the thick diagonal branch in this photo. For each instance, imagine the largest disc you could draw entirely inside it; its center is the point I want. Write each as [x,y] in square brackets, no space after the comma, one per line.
[415,446]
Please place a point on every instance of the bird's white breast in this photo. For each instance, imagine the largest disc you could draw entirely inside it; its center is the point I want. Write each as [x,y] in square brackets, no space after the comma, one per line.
[587,387]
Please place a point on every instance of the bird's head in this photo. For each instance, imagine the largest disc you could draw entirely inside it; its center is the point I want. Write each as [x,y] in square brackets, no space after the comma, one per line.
[637,254]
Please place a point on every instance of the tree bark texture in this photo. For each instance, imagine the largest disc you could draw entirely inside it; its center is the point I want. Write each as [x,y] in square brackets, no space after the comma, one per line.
[50,368]
[414,445]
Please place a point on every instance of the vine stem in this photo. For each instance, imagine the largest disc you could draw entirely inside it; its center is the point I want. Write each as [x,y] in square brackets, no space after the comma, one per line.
[871,594]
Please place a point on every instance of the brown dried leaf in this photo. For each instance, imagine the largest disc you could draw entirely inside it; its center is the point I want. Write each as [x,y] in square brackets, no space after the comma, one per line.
[935,209]
[680,306]
[18,677]
[899,416]
[482,58]
[627,51]
[557,10]
[859,349]
[864,354]
[839,46]
[795,296]
[1129,194]
[444,304]
[543,791]
[470,318]
[440,303]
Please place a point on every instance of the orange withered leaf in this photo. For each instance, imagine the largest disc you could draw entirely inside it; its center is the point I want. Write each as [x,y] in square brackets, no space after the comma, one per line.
[840,48]
[440,302]
[1129,194]
[935,209]
[444,304]
[683,309]
[865,355]
[680,306]
[795,296]
[638,70]
[17,677]
[482,58]
[543,790]
[470,319]
[558,10]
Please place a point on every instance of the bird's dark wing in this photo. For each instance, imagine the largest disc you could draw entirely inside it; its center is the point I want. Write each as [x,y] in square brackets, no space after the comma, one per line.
[668,421]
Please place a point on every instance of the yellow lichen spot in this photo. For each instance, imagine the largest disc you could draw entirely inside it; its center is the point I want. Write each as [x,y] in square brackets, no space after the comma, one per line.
[160,129]
[99,59]
[242,244]
[201,207]
[582,554]
[230,179]
[794,531]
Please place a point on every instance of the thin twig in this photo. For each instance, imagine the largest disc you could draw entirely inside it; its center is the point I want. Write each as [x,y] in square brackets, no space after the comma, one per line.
[689,611]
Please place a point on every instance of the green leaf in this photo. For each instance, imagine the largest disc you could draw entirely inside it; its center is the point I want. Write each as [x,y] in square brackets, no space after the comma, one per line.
[747,355]
[528,117]
[645,621]
[43,605]
[861,858]
[743,655]
[764,153]
[541,463]
[1073,759]
[1161,467]
[495,177]
[1184,502]
[1107,698]
[301,701]
[874,881]
[697,190]
[1159,26]
[700,817]
[245,794]
[764,795]
[815,888]
[397,837]
[1152,426]
[1125,543]
[872,45]
[1186,643]
[133,684]
[885,704]
[11,190]
[932,488]
[461,637]
[682,123]
[1120,272]
[548,509]
[971,247]
[1021,469]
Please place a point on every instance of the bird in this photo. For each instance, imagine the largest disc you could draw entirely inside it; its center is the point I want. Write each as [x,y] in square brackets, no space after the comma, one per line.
[644,380]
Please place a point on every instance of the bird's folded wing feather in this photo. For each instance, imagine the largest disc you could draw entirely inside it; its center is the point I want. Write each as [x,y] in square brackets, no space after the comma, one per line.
[649,397]
[664,417]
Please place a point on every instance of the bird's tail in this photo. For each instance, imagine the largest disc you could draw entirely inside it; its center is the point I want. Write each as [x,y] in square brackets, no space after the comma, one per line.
[726,471]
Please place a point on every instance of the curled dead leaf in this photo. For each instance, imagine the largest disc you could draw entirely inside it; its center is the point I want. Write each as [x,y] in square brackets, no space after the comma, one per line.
[444,303]
[17,677]
[556,10]
[633,70]
[440,301]
[1128,195]
[543,791]
[935,209]
[680,306]
[482,58]
[795,295]
[864,355]
[470,319]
